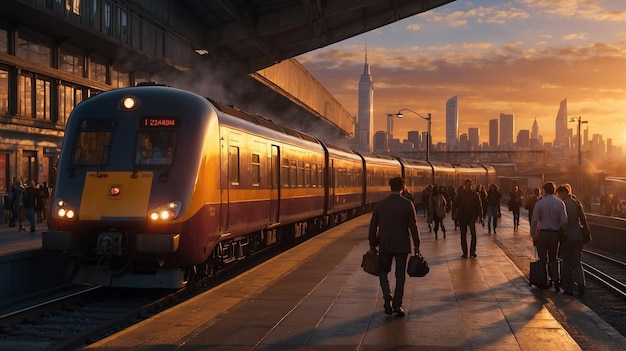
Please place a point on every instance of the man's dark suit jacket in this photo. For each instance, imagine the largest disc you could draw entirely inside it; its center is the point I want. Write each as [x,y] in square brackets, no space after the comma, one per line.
[392,225]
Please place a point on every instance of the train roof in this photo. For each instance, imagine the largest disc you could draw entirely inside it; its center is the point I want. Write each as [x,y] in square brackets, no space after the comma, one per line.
[260,121]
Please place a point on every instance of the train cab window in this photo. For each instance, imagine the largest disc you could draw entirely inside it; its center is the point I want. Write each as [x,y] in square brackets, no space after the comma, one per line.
[92,143]
[155,148]
[233,165]
[256,170]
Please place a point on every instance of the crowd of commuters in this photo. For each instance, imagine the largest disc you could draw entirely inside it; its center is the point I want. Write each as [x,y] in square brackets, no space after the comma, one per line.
[558,239]
[25,204]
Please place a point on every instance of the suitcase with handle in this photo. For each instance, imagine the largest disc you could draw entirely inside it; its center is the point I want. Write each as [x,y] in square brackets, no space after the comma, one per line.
[538,275]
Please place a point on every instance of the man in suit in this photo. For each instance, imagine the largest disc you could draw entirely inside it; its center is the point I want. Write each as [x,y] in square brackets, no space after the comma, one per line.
[470,209]
[392,226]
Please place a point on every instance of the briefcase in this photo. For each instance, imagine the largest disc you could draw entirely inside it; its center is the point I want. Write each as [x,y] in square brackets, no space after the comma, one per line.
[417,267]
[371,263]
[538,275]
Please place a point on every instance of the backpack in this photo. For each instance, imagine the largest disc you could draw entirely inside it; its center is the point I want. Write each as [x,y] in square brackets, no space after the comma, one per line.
[440,206]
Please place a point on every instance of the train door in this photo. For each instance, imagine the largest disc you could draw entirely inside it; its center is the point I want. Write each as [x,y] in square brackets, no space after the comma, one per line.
[331,186]
[275,185]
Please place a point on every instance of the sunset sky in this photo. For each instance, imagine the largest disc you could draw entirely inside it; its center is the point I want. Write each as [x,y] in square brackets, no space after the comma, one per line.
[521,57]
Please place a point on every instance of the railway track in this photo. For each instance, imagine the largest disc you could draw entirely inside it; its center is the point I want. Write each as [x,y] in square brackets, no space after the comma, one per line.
[69,320]
[607,270]
[76,315]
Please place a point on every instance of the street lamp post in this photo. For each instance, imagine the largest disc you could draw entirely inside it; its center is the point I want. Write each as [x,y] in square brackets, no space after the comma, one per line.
[580,155]
[429,119]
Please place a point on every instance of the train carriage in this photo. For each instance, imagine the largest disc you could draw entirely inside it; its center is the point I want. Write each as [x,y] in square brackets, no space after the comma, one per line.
[417,175]
[378,170]
[345,183]
[156,185]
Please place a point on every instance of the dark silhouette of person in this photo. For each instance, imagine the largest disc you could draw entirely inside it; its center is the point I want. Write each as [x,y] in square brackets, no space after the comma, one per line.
[393,225]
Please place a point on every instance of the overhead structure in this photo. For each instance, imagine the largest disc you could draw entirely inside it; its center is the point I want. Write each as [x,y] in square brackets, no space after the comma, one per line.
[261,33]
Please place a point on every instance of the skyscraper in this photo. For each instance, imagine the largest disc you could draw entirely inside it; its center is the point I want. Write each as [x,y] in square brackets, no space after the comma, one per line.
[560,131]
[452,123]
[507,126]
[493,134]
[474,137]
[365,116]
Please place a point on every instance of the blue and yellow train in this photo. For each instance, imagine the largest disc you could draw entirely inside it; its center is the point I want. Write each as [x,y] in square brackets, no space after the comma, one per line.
[156,185]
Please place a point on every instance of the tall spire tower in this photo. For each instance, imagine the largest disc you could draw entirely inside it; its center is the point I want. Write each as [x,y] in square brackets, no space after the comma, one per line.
[560,131]
[365,117]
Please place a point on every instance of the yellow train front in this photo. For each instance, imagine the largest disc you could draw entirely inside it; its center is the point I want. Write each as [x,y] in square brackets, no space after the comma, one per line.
[138,188]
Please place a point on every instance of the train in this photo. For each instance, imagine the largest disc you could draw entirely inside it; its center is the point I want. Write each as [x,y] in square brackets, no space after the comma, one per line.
[157,186]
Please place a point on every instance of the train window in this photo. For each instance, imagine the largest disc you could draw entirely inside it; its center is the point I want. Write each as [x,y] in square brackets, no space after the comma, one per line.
[256,170]
[155,147]
[300,174]
[307,175]
[320,176]
[314,175]
[233,165]
[91,148]
[285,173]
[293,169]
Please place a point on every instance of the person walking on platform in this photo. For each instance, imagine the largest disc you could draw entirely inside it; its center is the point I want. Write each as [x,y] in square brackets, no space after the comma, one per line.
[31,203]
[20,209]
[549,220]
[531,201]
[493,207]
[572,274]
[469,211]
[515,203]
[438,206]
[393,225]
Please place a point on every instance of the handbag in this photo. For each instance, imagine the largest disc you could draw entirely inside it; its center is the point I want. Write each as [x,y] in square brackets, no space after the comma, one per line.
[417,267]
[371,263]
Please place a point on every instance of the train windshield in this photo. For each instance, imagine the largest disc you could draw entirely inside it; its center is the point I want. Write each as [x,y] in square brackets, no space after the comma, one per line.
[155,147]
[92,144]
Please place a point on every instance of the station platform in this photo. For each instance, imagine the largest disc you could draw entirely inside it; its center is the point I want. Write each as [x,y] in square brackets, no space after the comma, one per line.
[317,297]
[13,242]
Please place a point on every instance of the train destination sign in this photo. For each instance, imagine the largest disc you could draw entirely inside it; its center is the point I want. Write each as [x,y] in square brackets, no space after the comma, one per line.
[160,122]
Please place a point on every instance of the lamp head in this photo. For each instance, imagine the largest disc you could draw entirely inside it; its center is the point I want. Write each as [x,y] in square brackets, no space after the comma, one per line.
[399,114]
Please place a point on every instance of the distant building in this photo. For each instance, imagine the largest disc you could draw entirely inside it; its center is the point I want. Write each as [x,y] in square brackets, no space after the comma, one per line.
[381,142]
[414,138]
[560,131]
[365,116]
[523,139]
[452,123]
[493,134]
[507,126]
[474,137]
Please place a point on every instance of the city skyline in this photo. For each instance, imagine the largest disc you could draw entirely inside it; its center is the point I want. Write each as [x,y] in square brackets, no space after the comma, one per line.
[521,57]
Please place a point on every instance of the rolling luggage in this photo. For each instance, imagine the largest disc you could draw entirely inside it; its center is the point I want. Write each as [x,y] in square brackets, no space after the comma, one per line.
[538,275]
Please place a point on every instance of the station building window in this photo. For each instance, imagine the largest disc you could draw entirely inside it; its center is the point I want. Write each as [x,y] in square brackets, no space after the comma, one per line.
[97,70]
[71,62]
[119,78]
[3,40]
[42,99]
[4,91]
[34,50]
[34,96]
[69,97]
[25,95]
[73,6]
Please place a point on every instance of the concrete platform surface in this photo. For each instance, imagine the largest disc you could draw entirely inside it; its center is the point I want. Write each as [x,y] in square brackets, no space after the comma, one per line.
[317,297]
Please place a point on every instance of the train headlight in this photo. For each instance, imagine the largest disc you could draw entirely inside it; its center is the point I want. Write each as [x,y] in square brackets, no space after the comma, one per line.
[129,103]
[166,212]
[64,210]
